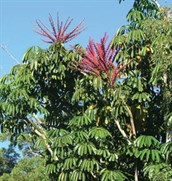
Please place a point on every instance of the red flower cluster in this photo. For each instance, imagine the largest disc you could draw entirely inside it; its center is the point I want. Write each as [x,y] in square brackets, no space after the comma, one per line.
[58,33]
[98,60]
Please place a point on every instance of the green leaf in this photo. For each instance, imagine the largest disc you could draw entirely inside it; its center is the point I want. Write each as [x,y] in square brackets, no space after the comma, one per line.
[80,121]
[70,163]
[85,148]
[146,141]
[64,140]
[135,15]
[107,175]
[89,165]
[97,83]
[99,133]
[135,35]
[31,53]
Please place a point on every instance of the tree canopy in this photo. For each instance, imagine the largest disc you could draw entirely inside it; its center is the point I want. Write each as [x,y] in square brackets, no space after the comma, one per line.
[103,112]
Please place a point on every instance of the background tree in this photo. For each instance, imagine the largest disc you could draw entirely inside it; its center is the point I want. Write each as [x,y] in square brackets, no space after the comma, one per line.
[27,169]
[8,159]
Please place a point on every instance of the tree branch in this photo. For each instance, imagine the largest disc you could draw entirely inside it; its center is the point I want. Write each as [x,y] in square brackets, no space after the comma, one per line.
[157,4]
[131,117]
[122,132]
[34,153]
[38,120]
[46,143]
[10,54]
[41,133]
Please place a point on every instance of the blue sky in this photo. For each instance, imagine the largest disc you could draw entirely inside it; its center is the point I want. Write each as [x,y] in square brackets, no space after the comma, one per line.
[17,21]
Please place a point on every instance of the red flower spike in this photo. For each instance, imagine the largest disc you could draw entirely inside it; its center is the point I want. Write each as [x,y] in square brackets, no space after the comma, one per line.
[99,59]
[58,33]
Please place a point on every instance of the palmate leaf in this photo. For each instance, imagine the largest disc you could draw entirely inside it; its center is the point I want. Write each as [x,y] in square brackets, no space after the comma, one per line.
[80,135]
[143,153]
[85,148]
[62,141]
[91,113]
[19,94]
[163,175]
[135,35]
[59,167]
[118,110]
[77,175]
[63,176]
[154,168]
[24,78]
[31,53]
[135,15]
[158,172]
[132,150]
[99,133]
[89,165]
[115,175]
[113,157]
[119,38]
[147,148]
[150,154]
[80,121]
[146,141]
[70,163]
[166,149]
[61,152]
[104,153]
[50,168]
[155,155]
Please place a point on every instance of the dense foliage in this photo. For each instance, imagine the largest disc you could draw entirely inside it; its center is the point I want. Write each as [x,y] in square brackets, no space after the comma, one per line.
[8,159]
[100,113]
[27,169]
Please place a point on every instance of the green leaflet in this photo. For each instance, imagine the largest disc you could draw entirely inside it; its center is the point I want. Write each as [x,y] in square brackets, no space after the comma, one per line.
[99,133]
[80,121]
[108,175]
[146,141]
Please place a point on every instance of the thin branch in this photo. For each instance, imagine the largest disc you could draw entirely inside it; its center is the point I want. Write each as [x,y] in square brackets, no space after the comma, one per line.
[45,141]
[10,54]
[157,4]
[37,119]
[34,153]
[40,132]
[131,117]
[122,132]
